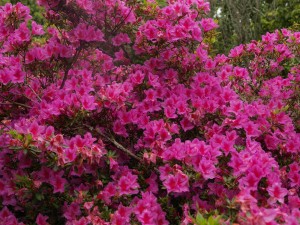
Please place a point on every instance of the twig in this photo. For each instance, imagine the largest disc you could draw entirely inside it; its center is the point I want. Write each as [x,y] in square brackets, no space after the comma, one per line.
[16,103]
[3,124]
[65,76]
[118,145]
[69,66]
[118,26]
[34,92]
[126,53]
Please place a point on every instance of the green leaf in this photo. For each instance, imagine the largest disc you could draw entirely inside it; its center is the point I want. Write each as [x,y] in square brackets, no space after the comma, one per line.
[15,135]
[39,196]
[28,139]
[23,181]
[200,220]
[213,220]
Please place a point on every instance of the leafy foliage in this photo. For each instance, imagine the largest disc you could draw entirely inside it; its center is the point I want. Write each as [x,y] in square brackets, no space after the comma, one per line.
[242,21]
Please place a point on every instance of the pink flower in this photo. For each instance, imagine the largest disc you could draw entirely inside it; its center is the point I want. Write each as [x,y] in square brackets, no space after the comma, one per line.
[88,102]
[3,188]
[186,124]
[88,33]
[179,182]
[128,185]
[277,193]
[71,211]
[236,106]
[181,107]
[122,215]
[146,218]
[249,182]
[197,34]
[170,112]
[22,34]
[240,72]
[58,184]
[120,39]
[138,77]
[164,135]
[109,191]
[227,147]
[18,76]
[5,76]
[65,52]
[41,220]
[37,29]
[177,33]
[150,32]
[207,169]
[210,64]
[251,129]
[237,51]
[35,129]
[148,211]
[81,221]
[208,24]
[8,218]
[120,129]
[70,155]
[152,182]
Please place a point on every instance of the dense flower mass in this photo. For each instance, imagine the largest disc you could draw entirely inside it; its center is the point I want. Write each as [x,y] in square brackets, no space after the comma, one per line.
[116,112]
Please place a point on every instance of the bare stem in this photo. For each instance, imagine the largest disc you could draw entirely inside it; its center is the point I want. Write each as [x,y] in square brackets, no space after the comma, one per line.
[16,103]
[34,92]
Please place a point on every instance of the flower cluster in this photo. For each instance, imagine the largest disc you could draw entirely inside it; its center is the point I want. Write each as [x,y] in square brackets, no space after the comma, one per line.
[115,112]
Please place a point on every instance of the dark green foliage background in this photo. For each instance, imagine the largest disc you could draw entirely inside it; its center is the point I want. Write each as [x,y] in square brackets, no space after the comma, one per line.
[244,20]
[240,21]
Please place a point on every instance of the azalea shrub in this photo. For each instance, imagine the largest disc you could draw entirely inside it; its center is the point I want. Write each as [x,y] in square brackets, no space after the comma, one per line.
[117,112]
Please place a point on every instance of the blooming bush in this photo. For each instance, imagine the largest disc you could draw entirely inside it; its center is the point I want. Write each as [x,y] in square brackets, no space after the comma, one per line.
[115,112]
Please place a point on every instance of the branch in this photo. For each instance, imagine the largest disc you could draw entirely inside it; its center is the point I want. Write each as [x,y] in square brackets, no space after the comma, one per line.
[118,145]
[3,124]
[118,26]
[126,54]
[69,66]
[16,103]
[38,97]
